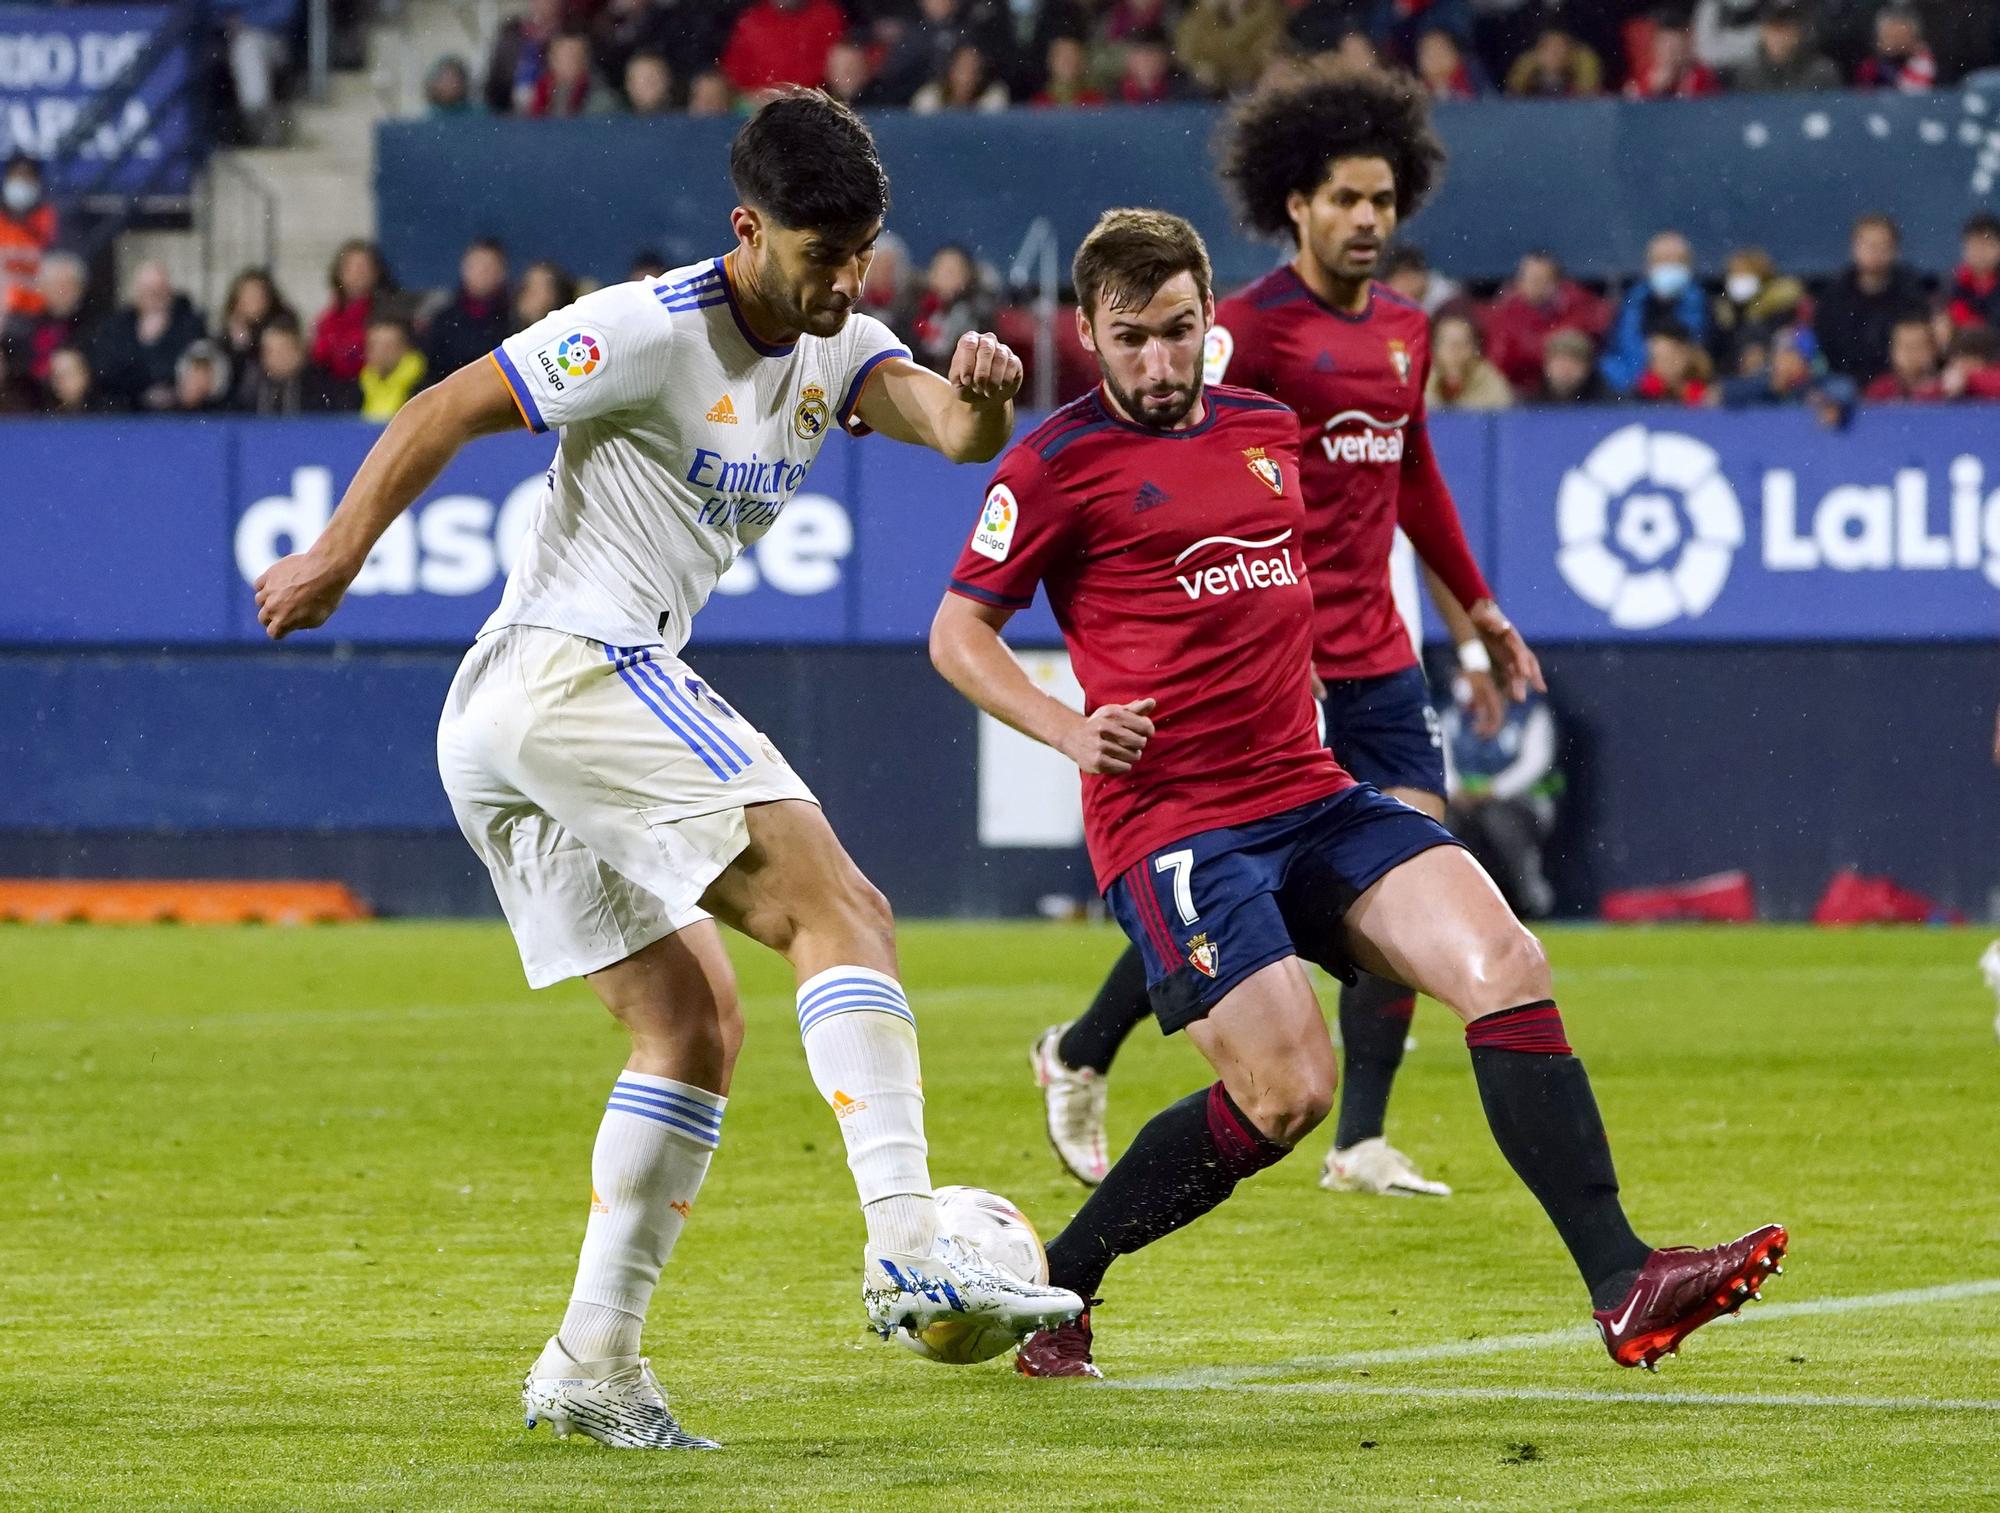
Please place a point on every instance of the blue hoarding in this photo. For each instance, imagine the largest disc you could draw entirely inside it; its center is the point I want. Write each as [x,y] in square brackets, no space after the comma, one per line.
[54,60]
[1667,524]
[1603,525]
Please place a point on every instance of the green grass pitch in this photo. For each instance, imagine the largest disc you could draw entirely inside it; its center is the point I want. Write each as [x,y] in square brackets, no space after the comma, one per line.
[285,1215]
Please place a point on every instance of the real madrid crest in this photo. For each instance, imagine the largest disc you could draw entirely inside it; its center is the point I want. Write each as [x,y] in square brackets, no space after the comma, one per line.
[1266,468]
[809,419]
[1203,956]
[1399,359]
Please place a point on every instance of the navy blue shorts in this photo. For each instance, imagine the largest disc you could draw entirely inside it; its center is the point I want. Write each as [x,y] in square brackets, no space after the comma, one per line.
[1384,731]
[1208,911]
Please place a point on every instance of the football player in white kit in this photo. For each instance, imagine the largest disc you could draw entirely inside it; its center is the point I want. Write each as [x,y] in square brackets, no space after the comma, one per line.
[620,804]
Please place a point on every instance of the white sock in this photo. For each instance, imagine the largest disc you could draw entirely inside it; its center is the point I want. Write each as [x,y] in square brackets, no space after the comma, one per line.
[861,1046]
[652,1151]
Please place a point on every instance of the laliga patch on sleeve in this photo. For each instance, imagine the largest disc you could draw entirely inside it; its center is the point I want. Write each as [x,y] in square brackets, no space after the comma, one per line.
[571,358]
[995,536]
[1215,354]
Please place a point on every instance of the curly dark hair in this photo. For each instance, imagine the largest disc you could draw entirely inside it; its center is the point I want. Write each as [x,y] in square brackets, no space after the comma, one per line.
[1287,136]
[810,162]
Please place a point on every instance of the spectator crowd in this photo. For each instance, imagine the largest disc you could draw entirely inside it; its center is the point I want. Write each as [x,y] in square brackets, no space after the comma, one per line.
[1879,331]
[1883,329]
[709,57]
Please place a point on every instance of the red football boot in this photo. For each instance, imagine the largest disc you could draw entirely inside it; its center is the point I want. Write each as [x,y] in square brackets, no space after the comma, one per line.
[1061,1351]
[1679,1290]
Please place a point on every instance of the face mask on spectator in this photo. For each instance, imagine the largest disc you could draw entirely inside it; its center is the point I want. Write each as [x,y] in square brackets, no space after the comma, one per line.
[1667,280]
[1742,287]
[22,194]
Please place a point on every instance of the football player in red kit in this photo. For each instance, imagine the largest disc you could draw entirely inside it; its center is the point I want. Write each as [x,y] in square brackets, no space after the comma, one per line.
[1163,518]
[1331,160]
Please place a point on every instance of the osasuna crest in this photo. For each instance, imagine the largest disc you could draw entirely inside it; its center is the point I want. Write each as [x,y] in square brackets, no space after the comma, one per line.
[1399,359]
[1267,470]
[809,419]
[1203,956]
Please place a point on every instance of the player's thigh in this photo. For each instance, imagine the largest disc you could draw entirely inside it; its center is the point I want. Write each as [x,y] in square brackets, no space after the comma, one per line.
[677,997]
[570,911]
[1419,799]
[645,763]
[793,878]
[1203,915]
[1267,1040]
[1437,922]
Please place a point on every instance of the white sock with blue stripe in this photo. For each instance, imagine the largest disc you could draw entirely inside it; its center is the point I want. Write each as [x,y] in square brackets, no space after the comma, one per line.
[652,1152]
[861,1045]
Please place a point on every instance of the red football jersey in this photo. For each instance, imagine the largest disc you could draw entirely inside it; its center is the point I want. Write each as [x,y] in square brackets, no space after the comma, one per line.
[1357,385]
[1173,562]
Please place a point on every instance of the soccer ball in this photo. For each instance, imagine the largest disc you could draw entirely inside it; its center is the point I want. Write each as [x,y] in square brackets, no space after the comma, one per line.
[1006,1241]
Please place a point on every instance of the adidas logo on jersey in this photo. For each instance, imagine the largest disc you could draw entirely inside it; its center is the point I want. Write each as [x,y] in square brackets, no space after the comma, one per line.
[1150,495]
[722,412]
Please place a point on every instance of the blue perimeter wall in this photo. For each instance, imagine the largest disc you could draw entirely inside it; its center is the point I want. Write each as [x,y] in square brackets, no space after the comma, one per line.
[1592,178]
[1771,646]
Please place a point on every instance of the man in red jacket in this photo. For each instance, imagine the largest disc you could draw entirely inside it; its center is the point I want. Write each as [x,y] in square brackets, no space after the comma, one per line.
[1538,302]
[782,42]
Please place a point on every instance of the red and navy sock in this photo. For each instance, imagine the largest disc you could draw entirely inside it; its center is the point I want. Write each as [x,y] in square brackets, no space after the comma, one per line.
[1544,1118]
[1374,1023]
[1187,1159]
[1093,1040]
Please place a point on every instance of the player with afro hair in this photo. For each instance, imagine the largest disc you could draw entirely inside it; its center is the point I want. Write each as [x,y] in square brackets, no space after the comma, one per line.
[1283,139]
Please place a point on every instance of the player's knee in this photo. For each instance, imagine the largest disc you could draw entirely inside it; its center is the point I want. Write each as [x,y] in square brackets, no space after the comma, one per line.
[1287,1108]
[729,1030]
[1512,970]
[866,910]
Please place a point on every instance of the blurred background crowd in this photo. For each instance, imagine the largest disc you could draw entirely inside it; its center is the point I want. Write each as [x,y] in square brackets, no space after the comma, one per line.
[1889,328]
[1913,324]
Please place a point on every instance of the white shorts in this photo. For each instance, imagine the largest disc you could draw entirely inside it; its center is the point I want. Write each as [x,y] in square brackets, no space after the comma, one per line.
[604,788]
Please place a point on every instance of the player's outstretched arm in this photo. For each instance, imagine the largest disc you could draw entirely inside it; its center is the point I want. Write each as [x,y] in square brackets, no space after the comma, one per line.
[966,648]
[304,589]
[967,415]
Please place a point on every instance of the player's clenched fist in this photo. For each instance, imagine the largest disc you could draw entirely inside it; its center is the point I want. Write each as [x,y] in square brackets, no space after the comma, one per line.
[1112,739]
[297,593]
[984,369]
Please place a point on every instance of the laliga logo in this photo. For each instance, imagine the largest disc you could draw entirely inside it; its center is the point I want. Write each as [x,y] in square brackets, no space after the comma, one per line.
[1647,527]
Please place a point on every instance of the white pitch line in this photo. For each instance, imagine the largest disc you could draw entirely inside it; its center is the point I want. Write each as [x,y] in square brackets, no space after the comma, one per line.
[1671,1399]
[1507,1344]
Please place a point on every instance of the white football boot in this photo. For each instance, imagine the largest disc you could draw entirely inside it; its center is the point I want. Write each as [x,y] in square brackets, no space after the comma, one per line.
[953,1282]
[1376,1166]
[619,1403]
[1073,1107]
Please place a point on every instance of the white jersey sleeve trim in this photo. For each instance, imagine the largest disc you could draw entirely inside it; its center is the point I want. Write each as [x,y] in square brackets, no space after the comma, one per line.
[605,352]
[848,419]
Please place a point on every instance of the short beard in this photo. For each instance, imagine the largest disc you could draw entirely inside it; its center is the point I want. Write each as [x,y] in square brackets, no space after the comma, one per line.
[783,304]
[1152,420]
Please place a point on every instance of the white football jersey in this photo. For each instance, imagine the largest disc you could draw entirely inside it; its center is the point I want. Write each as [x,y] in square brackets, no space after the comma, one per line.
[682,438]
